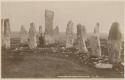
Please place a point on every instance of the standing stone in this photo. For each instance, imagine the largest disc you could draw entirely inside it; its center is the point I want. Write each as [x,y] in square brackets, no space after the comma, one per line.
[69,35]
[39,34]
[40,37]
[40,30]
[2,26]
[32,36]
[56,31]
[114,40]
[7,33]
[95,42]
[81,34]
[23,35]
[56,34]
[49,16]
[2,32]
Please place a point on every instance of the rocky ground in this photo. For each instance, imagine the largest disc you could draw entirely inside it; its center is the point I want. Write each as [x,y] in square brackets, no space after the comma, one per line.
[49,63]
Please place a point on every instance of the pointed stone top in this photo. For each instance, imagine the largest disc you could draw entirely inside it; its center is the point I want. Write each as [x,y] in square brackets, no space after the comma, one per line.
[98,24]
[40,29]
[32,24]
[22,27]
[96,29]
[70,23]
[56,30]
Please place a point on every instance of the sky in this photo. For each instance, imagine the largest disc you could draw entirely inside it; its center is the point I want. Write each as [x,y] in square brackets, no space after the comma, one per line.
[87,13]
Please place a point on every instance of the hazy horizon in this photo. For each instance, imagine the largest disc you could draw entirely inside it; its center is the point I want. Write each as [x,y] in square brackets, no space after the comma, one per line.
[86,13]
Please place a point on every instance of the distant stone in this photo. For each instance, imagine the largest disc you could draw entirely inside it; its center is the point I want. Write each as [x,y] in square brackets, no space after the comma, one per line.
[32,36]
[23,35]
[56,34]
[40,30]
[56,30]
[41,38]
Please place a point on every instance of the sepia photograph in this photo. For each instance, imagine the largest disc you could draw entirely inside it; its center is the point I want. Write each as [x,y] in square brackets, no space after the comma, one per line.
[62,39]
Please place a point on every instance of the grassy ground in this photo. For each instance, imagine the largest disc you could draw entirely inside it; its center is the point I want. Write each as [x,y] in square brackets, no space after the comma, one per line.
[46,64]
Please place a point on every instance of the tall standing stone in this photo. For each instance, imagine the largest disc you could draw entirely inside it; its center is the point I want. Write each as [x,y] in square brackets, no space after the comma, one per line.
[32,36]
[114,40]
[7,33]
[49,17]
[23,35]
[69,35]
[2,32]
[95,42]
[81,36]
